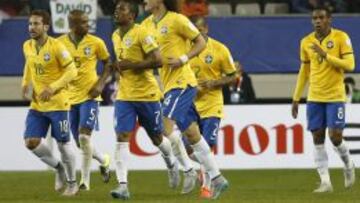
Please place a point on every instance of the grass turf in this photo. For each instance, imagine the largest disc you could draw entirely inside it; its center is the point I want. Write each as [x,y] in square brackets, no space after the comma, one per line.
[151,186]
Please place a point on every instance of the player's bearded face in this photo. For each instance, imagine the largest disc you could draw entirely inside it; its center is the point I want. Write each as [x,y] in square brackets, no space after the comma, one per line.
[320,20]
[37,27]
[82,25]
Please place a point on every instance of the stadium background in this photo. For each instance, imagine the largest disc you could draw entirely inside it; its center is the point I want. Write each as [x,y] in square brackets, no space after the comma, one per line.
[264,37]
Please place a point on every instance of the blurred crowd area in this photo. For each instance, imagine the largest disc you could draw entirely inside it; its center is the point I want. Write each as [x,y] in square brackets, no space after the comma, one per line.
[11,8]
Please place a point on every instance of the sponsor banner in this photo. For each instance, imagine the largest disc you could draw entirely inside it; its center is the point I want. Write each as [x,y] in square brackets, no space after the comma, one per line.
[250,137]
[60,10]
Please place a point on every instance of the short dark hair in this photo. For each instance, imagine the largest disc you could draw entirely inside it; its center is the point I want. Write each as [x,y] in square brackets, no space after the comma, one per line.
[76,12]
[172,5]
[323,8]
[134,7]
[43,14]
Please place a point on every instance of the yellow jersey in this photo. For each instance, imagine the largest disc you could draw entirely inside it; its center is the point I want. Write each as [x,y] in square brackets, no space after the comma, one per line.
[44,67]
[173,32]
[213,63]
[136,85]
[325,79]
[86,55]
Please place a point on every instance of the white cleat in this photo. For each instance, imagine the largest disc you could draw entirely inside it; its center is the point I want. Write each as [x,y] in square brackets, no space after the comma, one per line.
[349,175]
[105,169]
[121,192]
[71,189]
[190,178]
[60,177]
[324,188]
[174,176]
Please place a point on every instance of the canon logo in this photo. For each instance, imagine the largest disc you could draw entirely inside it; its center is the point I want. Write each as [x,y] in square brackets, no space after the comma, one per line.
[250,136]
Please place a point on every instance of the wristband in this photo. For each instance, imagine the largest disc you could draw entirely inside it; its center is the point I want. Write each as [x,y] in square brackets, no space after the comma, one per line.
[184,59]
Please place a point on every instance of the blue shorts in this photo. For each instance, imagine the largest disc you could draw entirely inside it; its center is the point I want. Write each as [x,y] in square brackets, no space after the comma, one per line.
[84,115]
[209,128]
[178,105]
[148,113]
[325,115]
[37,125]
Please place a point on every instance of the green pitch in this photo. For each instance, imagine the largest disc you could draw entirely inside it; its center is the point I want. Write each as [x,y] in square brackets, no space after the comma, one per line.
[151,186]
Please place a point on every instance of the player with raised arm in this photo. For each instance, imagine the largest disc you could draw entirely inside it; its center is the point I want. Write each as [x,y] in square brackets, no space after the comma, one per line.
[48,69]
[325,55]
[174,32]
[84,91]
[139,95]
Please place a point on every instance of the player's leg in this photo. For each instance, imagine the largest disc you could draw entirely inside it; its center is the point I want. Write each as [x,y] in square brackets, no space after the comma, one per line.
[209,128]
[88,121]
[336,123]
[316,116]
[60,131]
[175,106]
[125,121]
[36,128]
[150,117]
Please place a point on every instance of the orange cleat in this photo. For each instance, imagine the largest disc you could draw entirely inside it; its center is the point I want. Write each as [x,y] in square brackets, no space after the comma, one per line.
[205,193]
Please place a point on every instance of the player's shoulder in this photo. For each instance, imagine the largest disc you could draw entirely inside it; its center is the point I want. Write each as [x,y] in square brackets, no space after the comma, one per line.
[339,33]
[217,43]
[307,38]
[147,20]
[94,38]
[62,37]
[173,16]
[115,33]
[28,43]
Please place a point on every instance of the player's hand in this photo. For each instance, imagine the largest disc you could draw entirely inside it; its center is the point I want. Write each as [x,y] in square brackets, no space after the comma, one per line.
[25,92]
[174,63]
[294,109]
[317,49]
[207,84]
[96,90]
[46,94]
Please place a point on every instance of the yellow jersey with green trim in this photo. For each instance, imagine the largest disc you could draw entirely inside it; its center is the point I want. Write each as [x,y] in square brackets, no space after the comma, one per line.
[173,32]
[136,85]
[86,55]
[213,63]
[44,67]
[326,82]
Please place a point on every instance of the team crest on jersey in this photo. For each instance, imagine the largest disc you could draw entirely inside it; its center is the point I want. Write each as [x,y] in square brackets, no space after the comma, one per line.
[164,30]
[128,42]
[87,51]
[330,45]
[46,57]
[208,59]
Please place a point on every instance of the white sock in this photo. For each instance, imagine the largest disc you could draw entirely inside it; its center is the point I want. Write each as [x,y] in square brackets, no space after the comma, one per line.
[166,152]
[206,180]
[98,156]
[44,153]
[180,152]
[321,162]
[68,158]
[343,152]
[86,156]
[122,153]
[206,158]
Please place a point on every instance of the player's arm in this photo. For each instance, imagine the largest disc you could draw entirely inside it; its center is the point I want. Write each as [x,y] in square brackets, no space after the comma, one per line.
[346,60]
[152,61]
[102,54]
[26,81]
[302,79]
[187,30]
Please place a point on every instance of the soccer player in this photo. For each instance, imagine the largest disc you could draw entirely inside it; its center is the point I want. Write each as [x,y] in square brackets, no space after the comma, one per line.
[84,91]
[48,69]
[138,94]
[214,68]
[325,55]
[174,32]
